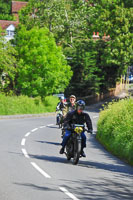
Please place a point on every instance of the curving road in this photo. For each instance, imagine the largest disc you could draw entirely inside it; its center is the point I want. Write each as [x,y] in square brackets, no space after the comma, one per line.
[31,167]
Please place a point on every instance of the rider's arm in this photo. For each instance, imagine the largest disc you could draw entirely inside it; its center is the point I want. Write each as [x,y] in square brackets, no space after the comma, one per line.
[88,123]
[67,120]
[58,106]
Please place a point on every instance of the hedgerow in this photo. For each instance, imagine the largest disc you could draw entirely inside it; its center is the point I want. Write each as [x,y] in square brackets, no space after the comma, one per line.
[115,129]
[12,105]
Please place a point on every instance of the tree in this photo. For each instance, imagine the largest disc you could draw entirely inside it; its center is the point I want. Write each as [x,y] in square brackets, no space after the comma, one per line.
[5,10]
[74,22]
[43,69]
[88,74]
[116,20]
[7,65]
[67,20]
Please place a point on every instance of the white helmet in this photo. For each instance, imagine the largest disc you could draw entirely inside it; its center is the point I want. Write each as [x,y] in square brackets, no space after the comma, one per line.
[61,98]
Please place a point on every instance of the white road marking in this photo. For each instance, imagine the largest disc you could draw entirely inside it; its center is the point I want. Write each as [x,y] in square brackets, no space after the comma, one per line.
[42,126]
[34,129]
[68,193]
[95,117]
[23,141]
[50,124]
[27,134]
[25,153]
[40,170]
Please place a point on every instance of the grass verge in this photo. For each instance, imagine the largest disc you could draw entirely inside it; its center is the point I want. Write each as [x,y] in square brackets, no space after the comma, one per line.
[13,105]
[115,129]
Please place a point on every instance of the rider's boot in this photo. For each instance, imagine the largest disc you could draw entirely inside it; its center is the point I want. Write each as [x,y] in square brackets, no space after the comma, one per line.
[83,153]
[62,150]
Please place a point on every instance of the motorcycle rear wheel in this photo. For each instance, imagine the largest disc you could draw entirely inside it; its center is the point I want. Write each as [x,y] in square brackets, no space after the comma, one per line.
[60,126]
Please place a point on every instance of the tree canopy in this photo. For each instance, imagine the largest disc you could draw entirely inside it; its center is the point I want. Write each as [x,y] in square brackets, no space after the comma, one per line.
[73,23]
[5,10]
[8,65]
[43,69]
[96,64]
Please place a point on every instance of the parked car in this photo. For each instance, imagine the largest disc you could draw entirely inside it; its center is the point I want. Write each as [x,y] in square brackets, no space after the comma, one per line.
[130,78]
[60,95]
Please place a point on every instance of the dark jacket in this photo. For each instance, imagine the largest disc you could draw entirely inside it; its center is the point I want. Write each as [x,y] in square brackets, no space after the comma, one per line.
[75,118]
[60,106]
[70,107]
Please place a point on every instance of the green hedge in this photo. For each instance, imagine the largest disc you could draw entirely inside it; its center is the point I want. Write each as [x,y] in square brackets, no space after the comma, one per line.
[11,105]
[115,129]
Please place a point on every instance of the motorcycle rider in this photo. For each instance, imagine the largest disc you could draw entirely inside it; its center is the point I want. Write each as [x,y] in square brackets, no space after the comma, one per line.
[72,104]
[76,117]
[62,107]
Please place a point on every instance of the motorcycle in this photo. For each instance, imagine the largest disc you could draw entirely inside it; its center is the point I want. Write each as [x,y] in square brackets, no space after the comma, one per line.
[59,118]
[73,146]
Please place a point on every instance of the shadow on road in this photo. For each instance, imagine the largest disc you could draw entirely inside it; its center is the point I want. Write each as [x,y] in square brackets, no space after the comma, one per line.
[88,164]
[108,167]
[55,159]
[53,143]
[33,186]
[54,127]
[98,189]
[116,166]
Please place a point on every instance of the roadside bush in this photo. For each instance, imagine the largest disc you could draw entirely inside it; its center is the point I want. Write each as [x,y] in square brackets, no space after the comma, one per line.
[115,129]
[12,105]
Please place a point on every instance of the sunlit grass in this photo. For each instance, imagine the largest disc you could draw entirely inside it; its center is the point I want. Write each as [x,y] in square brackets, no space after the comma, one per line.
[12,105]
[115,129]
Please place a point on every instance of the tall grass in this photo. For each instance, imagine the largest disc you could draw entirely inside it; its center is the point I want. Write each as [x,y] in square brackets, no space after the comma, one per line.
[12,105]
[115,129]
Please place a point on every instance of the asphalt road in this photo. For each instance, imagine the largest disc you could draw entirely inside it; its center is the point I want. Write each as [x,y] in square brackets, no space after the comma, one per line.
[31,167]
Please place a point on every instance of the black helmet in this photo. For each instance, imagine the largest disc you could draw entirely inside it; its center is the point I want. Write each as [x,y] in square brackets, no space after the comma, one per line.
[80,104]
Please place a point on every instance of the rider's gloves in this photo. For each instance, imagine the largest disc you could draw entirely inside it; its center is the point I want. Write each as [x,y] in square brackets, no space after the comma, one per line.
[67,127]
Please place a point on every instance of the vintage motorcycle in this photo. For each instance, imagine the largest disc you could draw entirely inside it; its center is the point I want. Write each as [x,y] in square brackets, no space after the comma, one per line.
[59,118]
[73,146]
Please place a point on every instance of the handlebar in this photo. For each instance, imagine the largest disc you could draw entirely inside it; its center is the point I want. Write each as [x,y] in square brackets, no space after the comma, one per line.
[75,125]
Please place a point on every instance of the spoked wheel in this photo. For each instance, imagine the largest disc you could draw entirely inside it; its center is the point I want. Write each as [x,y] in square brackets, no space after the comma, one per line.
[60,125]
[76,153]
[68,157]
[76,158]
[69,150]
[59,122]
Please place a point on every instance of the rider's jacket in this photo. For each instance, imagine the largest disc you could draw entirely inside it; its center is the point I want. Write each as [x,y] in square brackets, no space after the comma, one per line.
[60,106]
[70,107]
[75,118]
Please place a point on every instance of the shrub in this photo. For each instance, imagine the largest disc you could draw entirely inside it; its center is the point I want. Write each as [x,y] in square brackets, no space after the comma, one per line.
[115,129]
[11,105]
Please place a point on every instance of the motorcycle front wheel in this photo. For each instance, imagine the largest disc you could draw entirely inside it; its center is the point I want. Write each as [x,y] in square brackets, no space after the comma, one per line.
[77,146]
[68,157]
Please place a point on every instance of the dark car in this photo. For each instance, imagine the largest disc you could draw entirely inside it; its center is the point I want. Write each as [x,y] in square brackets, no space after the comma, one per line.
[130,78]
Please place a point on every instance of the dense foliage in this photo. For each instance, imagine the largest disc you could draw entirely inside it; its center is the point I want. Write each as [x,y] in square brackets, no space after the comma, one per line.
[5,10]
[42,69]
[96,64]
[73,23]
[12,105]
[8,65]
[115,129]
